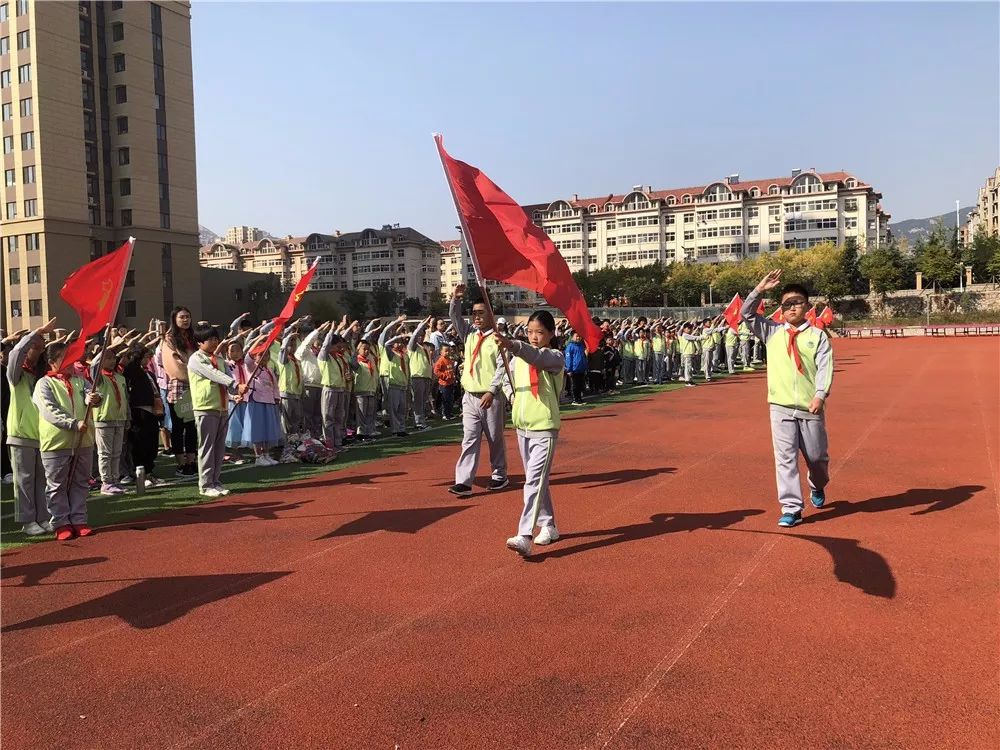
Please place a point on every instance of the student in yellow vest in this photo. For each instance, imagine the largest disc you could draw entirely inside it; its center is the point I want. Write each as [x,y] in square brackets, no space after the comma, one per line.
[799,378]
[421,371]
[211,388]
[731,340]
[312,386]
[643,349]
[291,386]
[110,419]
[480,415]
[627,336]
[743,331]
[66,443]
[538,372]
[707,350]
[659,354]
[396,360]
[365,385]
[335,375]
[687,343]
[22,432]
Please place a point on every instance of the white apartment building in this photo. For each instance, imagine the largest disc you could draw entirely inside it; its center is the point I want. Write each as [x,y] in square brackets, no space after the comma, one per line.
[724,220]
[241,234]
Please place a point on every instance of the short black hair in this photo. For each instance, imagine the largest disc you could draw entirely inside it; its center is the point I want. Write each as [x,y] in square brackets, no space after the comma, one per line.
[795,289]
[204,332]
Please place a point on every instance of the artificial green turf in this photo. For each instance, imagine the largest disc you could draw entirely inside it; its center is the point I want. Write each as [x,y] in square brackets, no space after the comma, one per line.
[105,511]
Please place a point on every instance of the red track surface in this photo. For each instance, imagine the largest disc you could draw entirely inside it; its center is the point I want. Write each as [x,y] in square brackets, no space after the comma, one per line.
[367,608]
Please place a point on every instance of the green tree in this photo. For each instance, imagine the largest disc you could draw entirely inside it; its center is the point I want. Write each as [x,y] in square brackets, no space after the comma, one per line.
[850,267]
[733,278]
[686,283]
[883,267]
[385,300]
[439,305]
[319,306]
[979,253]
[937,263]
[412,306]
[993,267]
[356,304]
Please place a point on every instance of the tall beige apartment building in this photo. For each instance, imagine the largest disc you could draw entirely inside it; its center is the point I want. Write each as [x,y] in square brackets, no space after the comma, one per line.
[98,144]
[241,234]
[985,217]
[399,258]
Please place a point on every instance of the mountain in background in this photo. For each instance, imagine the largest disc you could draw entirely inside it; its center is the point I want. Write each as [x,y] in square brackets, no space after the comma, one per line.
[915,229]
[206,236]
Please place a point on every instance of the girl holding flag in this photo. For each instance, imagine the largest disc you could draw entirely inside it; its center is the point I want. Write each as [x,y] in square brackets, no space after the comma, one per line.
[538,380]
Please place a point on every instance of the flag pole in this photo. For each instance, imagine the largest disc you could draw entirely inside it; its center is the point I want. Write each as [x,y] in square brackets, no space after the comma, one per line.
[438,140]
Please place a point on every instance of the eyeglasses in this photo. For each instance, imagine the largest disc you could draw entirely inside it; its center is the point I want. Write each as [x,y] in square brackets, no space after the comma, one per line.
[793,303]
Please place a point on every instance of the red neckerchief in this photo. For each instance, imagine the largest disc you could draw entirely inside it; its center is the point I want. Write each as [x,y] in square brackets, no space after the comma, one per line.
[339,359]
[222,389]
[110,375]
[298,371]
[404,361]
[533,379]
[793,350]
[479,345]
[66,380]
[369,365]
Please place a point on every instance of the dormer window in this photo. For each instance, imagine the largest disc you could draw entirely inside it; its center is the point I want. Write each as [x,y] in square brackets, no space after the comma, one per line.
[773,190]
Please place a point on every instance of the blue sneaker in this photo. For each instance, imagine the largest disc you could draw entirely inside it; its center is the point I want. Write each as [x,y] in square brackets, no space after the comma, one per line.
[817,498]
[790,519]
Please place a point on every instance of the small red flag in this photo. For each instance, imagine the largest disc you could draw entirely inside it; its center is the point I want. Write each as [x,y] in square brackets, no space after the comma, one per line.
[506,246]
[777,316]
[287,311]
[94,291]
[760,308]
[732,311]
[825,317]
[811,315]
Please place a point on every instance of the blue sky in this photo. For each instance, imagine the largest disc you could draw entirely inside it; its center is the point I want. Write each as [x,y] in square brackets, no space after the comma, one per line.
[317,116]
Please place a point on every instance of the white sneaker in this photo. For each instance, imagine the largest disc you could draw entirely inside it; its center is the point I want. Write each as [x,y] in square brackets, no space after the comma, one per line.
[221,490]
[47,527]
[547,535]
[520,544]
[210,492]
[33,529]
[262,461]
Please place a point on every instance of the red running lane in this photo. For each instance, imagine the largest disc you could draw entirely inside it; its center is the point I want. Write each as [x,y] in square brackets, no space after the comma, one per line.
[368,608]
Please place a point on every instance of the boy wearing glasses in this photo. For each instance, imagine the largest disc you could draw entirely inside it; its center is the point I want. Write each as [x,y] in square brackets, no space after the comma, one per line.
[478,418]
[799,378]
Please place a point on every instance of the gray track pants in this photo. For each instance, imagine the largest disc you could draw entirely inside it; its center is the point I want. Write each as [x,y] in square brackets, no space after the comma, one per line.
[536,454]
[707,355]
[421,388]
[731,359]
[477,422]
[291,414]
[791,432]
[109,439]
[29,484]
[312,410]
[211,448]
[334,415]
[365,407]
[65,495]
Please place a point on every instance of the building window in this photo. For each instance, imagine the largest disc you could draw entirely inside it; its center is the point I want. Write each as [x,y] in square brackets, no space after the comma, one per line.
[773,190]
[158,101]
[130,278]
[125,186]
[28,140]
[119,63]
[118,5]
[121,94]
[126,217]
[164,191]
[26,107]
[157,72]
[28,174]
[14,274]
[15,308]
[161,132]
[12,210]
[12,244]
[33,241]
[4,45]
[7,111]
[31,207]
[23,39]
[165,222]
[122,125]
[20,7]
[4,78]
[34,274]
[157,42]
[128,308]
[8,144]
[161,160]
[851,204]
[34,307]
[8,177]
[4,12]
[117,31]
[122,156]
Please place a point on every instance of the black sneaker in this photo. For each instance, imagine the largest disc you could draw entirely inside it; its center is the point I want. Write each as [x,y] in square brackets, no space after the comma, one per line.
[401,434]
[498,484]
[462,490]
[181,471]
[190,470]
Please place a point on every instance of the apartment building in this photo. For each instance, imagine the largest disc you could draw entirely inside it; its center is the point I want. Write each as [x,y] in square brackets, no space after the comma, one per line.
[97,121]
[241,234]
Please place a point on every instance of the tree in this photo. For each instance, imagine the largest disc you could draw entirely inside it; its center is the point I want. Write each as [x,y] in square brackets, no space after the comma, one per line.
[980,253]
[439,305]
[733,278]
[993,267]
[264,297]
[850,268]
[883,267]
[385,300]
[686,283]
[319,306]
[412,306]
[356,304]
[937,264]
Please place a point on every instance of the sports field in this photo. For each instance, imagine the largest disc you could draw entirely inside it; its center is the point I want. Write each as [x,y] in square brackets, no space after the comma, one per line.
[368,608]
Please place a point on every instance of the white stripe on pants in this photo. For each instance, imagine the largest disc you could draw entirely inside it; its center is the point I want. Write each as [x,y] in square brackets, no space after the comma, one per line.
[109,438]
[477,422]
[29,484]
[790,433]
[536,454]
[421,388]
[211,448]
[65,495]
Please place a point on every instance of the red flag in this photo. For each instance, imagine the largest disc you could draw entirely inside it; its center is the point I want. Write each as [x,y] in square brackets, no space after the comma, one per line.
[732,311]
[777,316]
[826,317]
[506,246]
[287,311]
[94,291]
[811,315]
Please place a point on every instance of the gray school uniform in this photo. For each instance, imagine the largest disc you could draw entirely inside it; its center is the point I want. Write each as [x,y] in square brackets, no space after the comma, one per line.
[290,403]
[478,422]
[365,408]
[109,438]
[420,388]
[707,354]
[312,389]
[26,461]
[731,358]
[211,427]
[795,430]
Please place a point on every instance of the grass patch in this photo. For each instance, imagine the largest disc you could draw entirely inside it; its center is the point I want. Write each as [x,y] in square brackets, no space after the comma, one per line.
[107,511]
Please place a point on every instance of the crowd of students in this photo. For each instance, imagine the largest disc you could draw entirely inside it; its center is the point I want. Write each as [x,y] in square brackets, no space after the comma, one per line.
[206,396]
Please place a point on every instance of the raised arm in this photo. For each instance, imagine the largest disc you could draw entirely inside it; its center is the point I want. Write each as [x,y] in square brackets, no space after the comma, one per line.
[763,328]
[324,350]
[418,335]
[455,312]
[305,348]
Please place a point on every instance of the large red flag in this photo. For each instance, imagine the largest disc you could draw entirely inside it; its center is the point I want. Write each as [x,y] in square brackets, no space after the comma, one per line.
[732,311]
[506,246]
[94,291]
[287,311]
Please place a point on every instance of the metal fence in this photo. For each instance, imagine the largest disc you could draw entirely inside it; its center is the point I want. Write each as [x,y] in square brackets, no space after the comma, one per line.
[617,313]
